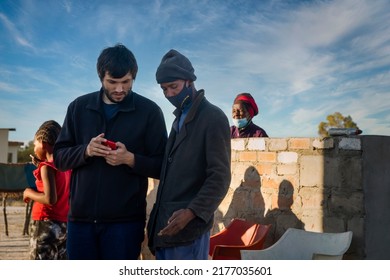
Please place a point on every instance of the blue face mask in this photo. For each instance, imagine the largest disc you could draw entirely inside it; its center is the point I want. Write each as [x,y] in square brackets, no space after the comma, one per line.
[240,123]
[182,98]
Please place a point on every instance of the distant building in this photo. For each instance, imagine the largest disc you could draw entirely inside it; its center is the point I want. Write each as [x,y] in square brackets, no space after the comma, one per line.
[8,149]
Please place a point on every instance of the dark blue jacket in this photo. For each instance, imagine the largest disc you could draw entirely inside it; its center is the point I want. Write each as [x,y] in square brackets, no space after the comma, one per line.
[101,192]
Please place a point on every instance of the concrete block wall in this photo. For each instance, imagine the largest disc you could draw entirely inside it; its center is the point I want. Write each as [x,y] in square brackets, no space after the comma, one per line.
[323,185]
[309,183]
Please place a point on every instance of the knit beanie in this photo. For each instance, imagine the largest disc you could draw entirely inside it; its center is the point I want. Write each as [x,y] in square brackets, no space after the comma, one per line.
[250,101]
[174,66]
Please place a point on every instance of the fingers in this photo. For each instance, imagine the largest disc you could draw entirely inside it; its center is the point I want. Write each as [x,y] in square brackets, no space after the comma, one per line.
[114,157]
[96,148]
[172,228]
[26,199]
[120,146]
[35,160]
[177,222]
[168,230]
[120,156]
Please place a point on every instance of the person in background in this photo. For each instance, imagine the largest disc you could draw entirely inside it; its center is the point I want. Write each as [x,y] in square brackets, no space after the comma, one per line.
[50,208]
[243,111]
[113,140]
[195,174]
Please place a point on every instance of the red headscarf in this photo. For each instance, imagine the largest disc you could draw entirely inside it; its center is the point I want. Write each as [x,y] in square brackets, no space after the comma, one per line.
[248,99]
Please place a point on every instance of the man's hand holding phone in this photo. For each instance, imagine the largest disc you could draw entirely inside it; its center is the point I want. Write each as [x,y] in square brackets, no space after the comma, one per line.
[115,153]
[99,147]
[110,144]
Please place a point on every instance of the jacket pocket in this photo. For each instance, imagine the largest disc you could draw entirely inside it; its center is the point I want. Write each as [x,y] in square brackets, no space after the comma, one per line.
[192,231]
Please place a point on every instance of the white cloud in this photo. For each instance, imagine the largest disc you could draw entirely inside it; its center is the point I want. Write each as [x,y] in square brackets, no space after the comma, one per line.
[67,6]
[15,33]
[4,87]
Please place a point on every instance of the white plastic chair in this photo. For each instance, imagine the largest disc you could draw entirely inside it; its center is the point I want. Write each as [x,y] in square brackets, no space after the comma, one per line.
[298,244]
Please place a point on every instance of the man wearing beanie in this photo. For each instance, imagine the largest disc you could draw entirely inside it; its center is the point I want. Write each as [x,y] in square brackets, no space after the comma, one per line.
[243,111]
[195,174]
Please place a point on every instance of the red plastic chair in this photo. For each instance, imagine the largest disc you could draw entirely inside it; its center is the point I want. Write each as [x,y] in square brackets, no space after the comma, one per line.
[238,235]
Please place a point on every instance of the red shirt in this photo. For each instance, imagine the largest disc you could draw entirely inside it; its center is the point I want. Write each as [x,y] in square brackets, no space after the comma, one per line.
[59,210]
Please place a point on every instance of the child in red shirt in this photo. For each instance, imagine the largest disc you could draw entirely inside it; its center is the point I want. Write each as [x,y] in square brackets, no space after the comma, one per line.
[50,208]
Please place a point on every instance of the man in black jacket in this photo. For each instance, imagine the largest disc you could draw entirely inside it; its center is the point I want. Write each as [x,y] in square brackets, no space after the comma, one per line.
[109,180]
[196,169]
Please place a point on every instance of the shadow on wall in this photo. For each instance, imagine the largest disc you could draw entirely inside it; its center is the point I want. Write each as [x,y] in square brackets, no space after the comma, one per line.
[282,217]
[247,201]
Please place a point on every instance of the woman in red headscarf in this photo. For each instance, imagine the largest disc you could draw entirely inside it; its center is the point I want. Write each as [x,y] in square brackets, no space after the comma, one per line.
[243,111]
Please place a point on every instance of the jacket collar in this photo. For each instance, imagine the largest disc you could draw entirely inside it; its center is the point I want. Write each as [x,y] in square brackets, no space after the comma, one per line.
[127,105]
[199,96]
[179,137]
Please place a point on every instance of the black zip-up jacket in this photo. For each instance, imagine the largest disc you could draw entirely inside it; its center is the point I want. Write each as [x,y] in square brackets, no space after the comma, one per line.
[101,192]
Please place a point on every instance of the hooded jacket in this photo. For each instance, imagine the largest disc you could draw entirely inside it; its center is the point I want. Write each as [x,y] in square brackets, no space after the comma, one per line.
[100,192]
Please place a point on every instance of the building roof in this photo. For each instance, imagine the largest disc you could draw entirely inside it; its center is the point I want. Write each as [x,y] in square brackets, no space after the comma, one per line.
[15,143]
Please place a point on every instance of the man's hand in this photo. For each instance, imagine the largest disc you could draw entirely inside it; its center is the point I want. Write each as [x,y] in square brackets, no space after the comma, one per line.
[120,156]
[116,157]
[95,147]
[177,222]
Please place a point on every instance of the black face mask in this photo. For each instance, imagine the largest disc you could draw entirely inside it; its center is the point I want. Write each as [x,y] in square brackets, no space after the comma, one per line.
[183,98]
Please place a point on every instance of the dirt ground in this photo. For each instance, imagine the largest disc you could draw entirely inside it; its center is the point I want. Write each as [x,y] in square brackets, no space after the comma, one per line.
[15,245]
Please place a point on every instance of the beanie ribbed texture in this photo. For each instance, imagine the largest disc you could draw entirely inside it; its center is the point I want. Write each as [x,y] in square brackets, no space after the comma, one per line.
[174,66]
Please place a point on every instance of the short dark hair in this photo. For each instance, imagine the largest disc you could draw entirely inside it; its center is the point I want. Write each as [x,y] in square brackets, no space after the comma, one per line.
[117,61]
[48,132]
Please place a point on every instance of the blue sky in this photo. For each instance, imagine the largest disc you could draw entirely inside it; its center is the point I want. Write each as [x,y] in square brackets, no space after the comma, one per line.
[301,60]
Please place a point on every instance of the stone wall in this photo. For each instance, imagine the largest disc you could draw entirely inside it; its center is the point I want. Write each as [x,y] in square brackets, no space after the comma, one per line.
[310,183]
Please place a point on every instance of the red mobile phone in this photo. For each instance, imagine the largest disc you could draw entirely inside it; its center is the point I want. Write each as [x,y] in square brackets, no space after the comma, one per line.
[110,144]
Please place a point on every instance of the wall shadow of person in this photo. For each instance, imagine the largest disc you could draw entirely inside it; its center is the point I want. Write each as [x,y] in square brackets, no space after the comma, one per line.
[247,202]
[282,217]
[218,225]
